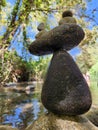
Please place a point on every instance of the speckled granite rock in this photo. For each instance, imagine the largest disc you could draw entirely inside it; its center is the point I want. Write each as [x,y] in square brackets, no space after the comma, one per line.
[53,122]
[65,91]
[65,36]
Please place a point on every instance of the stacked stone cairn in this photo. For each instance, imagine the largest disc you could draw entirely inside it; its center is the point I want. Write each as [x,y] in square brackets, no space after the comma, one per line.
[65,91]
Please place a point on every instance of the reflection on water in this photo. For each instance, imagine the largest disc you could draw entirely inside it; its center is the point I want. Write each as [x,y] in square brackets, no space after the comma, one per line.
[19,107]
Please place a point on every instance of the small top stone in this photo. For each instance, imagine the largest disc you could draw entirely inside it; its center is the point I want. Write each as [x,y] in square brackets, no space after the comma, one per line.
[42,31]
[67,17]
[41,27]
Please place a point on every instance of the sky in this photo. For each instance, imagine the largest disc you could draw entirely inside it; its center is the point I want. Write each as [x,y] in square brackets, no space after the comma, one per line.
[11,1]
[93,5]
[90,6]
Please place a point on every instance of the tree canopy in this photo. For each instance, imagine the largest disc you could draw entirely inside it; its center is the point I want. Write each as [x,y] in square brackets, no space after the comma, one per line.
[19,23]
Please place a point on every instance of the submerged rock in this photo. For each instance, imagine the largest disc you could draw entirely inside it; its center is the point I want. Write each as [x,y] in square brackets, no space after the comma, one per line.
[53,122]
[65,91]
[65,36]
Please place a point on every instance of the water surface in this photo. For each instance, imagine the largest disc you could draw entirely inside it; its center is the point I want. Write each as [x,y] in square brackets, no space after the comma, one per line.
[20,108]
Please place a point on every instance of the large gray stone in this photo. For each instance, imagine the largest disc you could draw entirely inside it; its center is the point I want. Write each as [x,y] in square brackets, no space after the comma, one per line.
[65,91]
[53,122]
[65,36]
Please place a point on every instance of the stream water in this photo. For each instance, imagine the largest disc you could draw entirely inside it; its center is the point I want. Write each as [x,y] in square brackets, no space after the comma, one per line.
[19,108]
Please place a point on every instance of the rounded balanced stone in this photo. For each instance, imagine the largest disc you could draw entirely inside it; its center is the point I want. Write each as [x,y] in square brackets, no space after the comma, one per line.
[65,36]
[65,91]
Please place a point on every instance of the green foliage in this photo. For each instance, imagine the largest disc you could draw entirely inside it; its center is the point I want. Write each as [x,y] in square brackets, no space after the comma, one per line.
[39,67]
[89,50]
[94,75]
[2,3]
[91,37]
[94,72]
[12,66]
[15,12]
[88,57]
[7,63]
